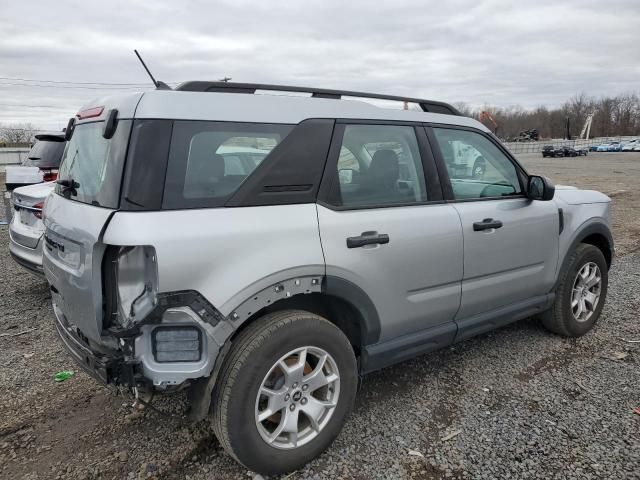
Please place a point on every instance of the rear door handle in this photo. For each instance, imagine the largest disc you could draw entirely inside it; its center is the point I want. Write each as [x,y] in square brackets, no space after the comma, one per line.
[367,238]
[486,224]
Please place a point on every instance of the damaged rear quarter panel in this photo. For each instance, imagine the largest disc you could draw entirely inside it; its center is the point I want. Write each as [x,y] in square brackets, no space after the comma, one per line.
[226,254]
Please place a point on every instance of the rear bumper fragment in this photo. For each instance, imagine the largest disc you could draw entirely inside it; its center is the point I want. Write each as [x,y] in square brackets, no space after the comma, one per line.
[107,369]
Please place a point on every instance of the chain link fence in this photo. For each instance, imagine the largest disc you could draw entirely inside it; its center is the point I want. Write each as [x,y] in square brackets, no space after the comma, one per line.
[536,147]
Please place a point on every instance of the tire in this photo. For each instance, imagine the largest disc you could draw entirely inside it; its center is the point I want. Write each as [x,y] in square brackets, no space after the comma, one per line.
[561,318]
[479,168]
[252,361]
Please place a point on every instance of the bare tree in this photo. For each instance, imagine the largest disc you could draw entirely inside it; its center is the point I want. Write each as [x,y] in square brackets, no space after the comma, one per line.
[18,133]
[613,116]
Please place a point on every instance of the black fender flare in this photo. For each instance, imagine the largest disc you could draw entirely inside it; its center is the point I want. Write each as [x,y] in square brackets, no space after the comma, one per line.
[586,231]
[369,325]
[354,295]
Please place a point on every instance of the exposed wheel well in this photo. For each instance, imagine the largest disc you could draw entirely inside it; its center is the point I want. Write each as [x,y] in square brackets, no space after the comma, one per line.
[600,241]
[338,311]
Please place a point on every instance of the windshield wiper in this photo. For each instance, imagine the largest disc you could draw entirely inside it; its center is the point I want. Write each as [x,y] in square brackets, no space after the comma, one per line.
[68,186]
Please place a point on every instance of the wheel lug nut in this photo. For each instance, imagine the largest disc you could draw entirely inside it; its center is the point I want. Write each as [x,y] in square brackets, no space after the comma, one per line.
[295,385]
[303,401]
[305,388]
[287,397]
[292,407]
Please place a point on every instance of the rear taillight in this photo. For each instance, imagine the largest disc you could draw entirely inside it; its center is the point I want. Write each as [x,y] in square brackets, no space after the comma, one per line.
[38,213]
[49,176]
[131,284]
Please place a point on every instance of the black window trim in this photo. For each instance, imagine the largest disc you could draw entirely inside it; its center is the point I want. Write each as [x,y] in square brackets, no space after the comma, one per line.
[447,189]
[327,194]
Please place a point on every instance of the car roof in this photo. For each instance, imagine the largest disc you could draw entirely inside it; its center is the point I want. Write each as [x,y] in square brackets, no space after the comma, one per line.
[258,108]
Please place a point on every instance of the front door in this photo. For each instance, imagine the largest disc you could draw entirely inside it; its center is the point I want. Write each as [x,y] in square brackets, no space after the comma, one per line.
[510,241]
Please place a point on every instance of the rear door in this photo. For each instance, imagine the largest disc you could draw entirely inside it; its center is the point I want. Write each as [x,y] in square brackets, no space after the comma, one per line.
[74,219]
[510,242]
[384,228]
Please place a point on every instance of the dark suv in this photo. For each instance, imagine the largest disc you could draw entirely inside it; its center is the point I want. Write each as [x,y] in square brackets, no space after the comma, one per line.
[45,154]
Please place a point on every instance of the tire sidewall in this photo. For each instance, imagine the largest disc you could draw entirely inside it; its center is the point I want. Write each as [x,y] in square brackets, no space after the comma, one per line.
[245,440]
[478,165]
[592,254]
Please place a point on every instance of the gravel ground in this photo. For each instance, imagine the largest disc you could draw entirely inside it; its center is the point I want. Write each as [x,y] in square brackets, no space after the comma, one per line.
[518,402]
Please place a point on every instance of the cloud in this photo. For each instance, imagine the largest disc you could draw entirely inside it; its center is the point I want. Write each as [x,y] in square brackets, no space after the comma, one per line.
[496,52]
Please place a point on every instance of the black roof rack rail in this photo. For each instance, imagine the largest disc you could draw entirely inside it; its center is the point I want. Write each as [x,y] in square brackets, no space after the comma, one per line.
[229,87]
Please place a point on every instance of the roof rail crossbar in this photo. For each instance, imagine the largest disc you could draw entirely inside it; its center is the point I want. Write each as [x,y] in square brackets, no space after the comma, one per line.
[229,87]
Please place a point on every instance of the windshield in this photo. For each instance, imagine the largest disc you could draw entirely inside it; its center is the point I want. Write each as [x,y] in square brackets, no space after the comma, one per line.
[91,169]
[45,154]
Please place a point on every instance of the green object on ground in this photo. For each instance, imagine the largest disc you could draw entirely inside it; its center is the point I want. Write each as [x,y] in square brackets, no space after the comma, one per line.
[63,375]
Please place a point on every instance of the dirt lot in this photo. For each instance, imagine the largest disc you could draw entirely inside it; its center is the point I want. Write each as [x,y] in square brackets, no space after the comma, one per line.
[515,403]
[616,174]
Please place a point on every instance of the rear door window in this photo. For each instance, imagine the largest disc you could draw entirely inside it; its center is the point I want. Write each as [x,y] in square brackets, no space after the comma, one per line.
[379,166]
[208,161]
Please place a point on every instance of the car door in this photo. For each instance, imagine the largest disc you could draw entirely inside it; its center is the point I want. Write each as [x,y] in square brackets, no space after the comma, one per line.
[385,229]
[510,241]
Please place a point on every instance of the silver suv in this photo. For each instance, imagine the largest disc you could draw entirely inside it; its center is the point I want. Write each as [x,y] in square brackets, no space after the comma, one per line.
[266,251]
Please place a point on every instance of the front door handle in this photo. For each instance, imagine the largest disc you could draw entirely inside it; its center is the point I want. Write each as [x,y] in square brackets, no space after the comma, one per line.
[486,224]
[367,238]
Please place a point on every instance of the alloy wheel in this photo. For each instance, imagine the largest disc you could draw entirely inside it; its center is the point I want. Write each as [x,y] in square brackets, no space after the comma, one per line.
[585,294]
[297,397]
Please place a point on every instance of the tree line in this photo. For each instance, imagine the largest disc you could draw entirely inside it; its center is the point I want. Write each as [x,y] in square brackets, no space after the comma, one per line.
[612,116]
[17,134]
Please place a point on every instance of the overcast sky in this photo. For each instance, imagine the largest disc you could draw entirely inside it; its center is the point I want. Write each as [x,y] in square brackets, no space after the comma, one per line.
[481,52]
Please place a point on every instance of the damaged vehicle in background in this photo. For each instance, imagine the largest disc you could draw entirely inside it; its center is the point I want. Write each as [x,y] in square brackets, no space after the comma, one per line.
[339,239]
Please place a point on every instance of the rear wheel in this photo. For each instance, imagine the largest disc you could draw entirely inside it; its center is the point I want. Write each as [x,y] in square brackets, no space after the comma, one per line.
[580,295]
[285,390]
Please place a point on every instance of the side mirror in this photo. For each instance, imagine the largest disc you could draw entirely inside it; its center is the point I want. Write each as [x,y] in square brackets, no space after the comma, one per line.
[540,188]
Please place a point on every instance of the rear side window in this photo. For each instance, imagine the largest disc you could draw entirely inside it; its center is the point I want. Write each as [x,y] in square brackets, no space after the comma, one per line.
[208,161]
[94,164]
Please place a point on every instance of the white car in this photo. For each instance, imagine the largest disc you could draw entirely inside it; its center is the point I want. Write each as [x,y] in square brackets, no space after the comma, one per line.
[26,229]
[630,146]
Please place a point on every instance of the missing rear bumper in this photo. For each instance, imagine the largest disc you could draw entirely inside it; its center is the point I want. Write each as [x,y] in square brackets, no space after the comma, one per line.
[107,369]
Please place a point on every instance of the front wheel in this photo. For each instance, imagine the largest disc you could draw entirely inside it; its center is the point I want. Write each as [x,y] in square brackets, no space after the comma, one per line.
[581,293]
[284,392]
[479,168]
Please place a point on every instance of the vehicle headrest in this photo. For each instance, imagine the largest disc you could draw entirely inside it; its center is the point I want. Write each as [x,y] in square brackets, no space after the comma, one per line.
[216,166]
[384,166]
